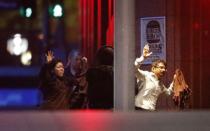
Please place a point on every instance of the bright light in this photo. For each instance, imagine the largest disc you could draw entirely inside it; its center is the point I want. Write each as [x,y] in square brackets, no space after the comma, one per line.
[28,12]
[57,11]
[26,58]
[17,45]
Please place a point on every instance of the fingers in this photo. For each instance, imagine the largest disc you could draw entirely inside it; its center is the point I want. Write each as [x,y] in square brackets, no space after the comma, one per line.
[50,53]
[146,52]
[150,53]
[49,56]
[146,47]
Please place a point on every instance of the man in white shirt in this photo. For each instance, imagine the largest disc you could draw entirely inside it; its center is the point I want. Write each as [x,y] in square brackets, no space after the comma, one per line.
[150,85]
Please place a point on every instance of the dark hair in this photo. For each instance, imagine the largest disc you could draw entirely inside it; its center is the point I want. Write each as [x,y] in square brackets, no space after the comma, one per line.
[52,65]
[54,62]
[104,55]
[47,71]
[157,61]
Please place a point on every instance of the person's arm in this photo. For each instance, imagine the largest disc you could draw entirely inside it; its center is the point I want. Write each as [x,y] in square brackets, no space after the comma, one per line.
[46,69]
[45,74]
[138,62]
[169,90]
[140,73]
[146,53]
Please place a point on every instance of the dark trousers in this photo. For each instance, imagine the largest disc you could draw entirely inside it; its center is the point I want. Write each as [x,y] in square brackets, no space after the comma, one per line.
[140,109]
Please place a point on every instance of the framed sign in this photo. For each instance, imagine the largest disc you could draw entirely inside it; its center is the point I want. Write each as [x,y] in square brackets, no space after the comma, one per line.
[153,33]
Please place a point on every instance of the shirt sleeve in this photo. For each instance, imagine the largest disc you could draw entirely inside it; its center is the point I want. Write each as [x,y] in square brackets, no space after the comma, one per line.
[140,74]
[169,90]
[138,61]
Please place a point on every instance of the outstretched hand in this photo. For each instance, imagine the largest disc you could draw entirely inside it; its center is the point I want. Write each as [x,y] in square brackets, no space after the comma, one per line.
[146,52]
[49,56]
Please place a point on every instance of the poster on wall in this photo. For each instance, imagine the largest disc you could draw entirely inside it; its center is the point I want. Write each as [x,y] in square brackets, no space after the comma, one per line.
[153,33]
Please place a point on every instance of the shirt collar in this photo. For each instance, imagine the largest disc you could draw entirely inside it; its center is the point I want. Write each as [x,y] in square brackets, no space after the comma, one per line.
[153,75]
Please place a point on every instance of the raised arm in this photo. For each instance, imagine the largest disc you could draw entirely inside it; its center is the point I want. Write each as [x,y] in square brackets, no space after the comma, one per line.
[170,89]
[146,53]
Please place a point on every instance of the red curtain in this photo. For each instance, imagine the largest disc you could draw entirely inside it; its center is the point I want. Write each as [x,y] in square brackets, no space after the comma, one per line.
[87,28]
[97,26]
[110,30]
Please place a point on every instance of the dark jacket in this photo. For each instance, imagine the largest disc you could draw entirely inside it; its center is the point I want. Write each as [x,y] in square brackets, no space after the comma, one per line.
[78,97]
[100,87]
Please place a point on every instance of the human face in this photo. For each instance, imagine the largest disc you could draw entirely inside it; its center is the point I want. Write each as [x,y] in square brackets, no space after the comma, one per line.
[59,69]
[159,70]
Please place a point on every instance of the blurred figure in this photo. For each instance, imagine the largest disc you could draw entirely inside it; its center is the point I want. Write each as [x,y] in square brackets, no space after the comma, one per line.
[182,91]
[100,80]
[76,63]
[55,87]
[76,69]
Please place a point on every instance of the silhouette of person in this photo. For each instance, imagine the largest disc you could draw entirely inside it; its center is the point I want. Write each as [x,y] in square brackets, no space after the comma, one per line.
[100,80]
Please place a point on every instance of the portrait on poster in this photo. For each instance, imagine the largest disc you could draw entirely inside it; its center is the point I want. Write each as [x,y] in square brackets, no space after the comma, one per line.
[153,33]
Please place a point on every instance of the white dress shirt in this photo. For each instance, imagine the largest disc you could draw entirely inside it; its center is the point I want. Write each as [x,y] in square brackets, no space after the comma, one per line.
[149,87]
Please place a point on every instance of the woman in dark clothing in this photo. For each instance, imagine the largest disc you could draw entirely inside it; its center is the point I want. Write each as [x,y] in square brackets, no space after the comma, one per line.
[55,87]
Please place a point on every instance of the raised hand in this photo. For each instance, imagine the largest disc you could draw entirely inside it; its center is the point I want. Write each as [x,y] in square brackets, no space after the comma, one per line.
[84,60]
[49,56]
[146,52]
[84,64]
